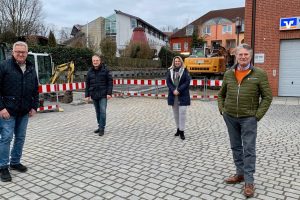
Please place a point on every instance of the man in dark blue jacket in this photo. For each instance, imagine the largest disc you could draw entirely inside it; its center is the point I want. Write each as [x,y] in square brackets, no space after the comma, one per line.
[18,102]
[99,85]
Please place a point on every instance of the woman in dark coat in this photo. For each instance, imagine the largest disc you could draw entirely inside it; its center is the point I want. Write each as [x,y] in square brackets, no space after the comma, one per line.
[178,81]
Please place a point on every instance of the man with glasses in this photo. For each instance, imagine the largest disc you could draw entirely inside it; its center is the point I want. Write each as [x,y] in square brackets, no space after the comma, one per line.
[18,101]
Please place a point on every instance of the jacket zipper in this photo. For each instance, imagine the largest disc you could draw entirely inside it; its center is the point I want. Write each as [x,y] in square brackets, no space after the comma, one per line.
[237,100]
[238,94]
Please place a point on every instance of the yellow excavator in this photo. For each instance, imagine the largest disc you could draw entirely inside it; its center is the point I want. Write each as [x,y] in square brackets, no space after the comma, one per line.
[69,67]
[212,65]
[57,71]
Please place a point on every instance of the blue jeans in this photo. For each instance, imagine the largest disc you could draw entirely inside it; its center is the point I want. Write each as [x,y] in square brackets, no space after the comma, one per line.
[14,126]
[100,107]
[242,134]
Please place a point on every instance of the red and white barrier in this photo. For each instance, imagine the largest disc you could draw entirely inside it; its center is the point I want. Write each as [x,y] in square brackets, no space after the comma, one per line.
[136,94]
[196,82]
[214,83]
[49,88]
[47,108]
[139,82]
[70,86]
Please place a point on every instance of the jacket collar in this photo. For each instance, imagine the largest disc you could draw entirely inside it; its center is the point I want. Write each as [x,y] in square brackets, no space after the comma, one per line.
[29,65]
[235,66]
[101,67]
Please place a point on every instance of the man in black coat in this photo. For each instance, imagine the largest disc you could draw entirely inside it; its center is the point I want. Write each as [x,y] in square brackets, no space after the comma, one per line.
[18,101]
[99,85]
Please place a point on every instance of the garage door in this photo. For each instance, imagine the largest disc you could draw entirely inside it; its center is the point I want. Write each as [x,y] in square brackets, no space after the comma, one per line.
[289,68]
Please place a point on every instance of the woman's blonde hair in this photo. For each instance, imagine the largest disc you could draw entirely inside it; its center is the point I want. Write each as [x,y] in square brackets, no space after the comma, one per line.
[181,60]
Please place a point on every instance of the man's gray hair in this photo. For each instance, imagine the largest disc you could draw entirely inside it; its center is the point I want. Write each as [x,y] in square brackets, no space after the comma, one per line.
[20,43]
[244,46]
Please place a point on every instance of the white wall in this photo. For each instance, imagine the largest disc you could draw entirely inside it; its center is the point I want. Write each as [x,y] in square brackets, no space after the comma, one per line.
[155,42]
[124,33]
[95,31]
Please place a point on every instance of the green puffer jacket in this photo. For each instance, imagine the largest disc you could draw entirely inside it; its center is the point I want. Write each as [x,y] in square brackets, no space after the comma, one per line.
[252,97]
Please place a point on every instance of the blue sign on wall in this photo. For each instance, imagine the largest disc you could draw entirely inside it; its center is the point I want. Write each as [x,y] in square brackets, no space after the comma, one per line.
[290,23]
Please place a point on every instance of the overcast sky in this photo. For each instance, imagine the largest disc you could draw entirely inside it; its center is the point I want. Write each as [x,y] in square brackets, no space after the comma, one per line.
[159,13]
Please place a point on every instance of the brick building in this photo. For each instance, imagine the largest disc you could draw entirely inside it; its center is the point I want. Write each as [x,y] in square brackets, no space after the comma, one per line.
[215,27]
[276,40]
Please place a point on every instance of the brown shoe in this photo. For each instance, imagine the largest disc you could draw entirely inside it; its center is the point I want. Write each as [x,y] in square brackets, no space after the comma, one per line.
[249,190]
[234,179]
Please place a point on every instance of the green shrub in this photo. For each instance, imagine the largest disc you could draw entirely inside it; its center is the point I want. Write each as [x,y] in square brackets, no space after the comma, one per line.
[125,63]
[108,49]
[166,56]
[139,50]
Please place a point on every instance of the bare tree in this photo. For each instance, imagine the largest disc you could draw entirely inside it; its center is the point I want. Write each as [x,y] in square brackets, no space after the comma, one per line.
[64,34]
[43,30]
[22,17]
[167,28]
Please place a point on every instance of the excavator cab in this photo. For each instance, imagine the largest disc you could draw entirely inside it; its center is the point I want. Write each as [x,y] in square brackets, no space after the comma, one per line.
[43,66]
[202,62]
[198,53]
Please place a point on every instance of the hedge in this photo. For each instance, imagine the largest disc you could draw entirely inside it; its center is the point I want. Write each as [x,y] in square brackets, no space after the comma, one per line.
[126,63]
[166,56]
[81,56]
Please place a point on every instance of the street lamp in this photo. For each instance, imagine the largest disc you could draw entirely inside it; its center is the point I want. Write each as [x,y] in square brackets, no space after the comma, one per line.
[167,42]
[238,28]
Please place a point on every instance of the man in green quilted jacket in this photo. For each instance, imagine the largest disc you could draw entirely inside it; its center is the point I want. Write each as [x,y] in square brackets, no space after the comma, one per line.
[244,98]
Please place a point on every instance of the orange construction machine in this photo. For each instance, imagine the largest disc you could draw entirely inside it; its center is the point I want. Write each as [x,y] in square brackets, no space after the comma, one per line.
[212,64]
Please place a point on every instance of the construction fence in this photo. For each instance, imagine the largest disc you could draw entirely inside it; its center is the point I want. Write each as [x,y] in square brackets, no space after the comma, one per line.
[203,89]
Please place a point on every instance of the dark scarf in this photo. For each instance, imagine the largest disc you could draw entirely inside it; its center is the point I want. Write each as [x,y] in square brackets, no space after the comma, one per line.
[176,76]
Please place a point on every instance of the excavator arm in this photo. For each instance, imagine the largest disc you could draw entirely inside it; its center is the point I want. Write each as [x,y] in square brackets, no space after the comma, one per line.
[61,68]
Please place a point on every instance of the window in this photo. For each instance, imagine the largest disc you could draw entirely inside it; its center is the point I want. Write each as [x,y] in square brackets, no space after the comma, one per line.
[243,27]
[206,30]
[186,46]
[176,47]
[111,25]
[230,44]
[44,67]
[133,22]
[227,29]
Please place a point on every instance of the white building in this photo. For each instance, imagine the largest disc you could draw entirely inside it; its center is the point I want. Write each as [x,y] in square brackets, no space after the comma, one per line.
[120,26]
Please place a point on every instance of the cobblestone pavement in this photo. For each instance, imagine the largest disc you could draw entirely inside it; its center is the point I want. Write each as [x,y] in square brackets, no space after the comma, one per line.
[139,157]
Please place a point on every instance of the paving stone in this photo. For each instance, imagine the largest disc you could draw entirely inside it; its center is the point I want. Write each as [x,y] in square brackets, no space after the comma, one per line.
[134,198]
[139,157]
[7,195]
[16,197]
[292,195]
[147,196]
[170,197]
[51,196]
[265,197]
[207,197]
[69,195]
[150,191]
[32,196]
